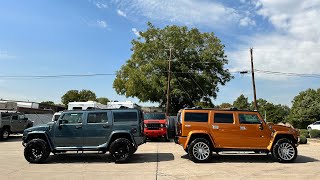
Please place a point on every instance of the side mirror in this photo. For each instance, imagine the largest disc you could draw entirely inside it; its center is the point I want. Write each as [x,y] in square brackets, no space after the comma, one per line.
[25,118]
[261,126]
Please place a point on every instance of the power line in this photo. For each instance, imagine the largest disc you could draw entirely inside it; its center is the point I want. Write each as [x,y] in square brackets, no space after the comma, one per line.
[31,77]
[54,76]
[288,73]
[183,88]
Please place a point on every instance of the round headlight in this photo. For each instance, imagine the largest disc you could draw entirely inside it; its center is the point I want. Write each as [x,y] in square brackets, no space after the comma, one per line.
[161,125]
[145,125]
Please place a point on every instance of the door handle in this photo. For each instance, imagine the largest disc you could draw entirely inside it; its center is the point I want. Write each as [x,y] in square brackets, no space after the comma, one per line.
[187,125]
[78,127]
[242,128]
[105,126]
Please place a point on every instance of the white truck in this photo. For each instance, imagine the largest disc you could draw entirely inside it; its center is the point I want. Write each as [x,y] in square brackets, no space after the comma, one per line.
[86,105]
[125,104]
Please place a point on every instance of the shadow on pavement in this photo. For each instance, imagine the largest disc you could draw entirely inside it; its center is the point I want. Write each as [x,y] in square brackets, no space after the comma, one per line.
[105,158]
[251,158]
[12,139]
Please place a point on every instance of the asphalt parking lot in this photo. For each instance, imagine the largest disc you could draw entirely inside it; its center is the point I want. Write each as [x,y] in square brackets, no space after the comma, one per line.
[158,160]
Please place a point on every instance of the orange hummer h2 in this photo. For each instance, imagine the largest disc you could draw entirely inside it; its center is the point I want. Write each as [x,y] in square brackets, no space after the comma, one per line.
[203,131]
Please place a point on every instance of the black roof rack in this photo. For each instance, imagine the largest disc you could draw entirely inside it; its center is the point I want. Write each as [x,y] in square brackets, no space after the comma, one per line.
[220,109]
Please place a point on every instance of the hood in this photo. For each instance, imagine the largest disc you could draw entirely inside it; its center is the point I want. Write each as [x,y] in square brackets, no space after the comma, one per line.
[278,127]
[41,127]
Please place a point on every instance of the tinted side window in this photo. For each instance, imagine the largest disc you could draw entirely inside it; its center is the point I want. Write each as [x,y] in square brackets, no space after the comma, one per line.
[196,117]
[71,118]
[5,116]
[125,116]
[15,117]
[249,119]
[98,117]
[223,118]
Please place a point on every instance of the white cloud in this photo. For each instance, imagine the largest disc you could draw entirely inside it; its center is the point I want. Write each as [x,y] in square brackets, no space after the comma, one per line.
[102,24]
[101,5]
[189,12]
[5,55]
[246,21]
[135,31]
[121,13]
[294,46]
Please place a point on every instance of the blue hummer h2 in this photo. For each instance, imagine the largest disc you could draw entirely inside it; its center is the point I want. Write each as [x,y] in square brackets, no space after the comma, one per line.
[119,131]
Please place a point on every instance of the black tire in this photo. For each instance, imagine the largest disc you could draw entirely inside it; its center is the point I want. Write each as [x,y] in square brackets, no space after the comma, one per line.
[134,150]
[200,150]
[36,151]
[4,134]
[284,151]
[171,128]
[121,149]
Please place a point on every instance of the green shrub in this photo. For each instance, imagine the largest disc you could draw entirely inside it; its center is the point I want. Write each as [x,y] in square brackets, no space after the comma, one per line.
[304,132]
[303,140]
[314,133]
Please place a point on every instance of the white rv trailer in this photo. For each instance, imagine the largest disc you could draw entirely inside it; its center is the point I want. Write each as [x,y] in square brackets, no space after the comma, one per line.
[86,105]
[125,104]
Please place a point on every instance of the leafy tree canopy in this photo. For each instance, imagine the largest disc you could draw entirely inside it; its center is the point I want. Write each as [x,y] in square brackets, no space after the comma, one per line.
[48,102]
[103,100]
[197,66]
[274,113]
[78,96]
[305,108]
[225,105]
[241,103]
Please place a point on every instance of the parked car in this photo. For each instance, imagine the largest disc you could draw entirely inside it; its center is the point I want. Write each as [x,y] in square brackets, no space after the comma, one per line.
[12,122]
[315,125]
[56,116]
[119,131]
[155,125]
[203,131]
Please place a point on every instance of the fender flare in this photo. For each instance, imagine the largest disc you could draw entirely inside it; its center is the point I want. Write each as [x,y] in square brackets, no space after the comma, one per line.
[41,133]
[191,133]
[115,133]
[278,133]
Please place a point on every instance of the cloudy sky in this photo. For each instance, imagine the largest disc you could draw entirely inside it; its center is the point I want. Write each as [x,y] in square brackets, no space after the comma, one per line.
[93,36]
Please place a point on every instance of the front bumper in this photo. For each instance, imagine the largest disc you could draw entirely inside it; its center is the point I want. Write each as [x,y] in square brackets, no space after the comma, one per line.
[156,133]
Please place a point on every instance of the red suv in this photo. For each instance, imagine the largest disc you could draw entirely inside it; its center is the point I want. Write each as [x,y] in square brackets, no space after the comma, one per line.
[155,125]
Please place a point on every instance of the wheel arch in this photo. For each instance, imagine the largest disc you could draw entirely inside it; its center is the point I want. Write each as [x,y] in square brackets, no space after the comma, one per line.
[198,134]
[39,135]
[280,135]
[120,134]
[6,127]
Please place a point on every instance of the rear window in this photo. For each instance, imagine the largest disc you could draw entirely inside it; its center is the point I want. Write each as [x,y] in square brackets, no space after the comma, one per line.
[196,117]
[223,118]
[125,116]
[154,116]
[5,116]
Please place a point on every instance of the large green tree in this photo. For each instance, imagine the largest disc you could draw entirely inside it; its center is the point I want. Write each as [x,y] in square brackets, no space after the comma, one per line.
[103,100]
[272,113]
[78,96]
[241,103]
[197,67]
[48,102]
[305,108]
[225,105]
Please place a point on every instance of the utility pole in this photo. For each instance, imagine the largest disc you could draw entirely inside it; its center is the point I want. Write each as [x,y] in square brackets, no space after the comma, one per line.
[169,79]
[253,82]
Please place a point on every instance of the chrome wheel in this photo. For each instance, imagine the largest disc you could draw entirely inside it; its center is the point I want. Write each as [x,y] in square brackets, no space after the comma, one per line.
[201,151]
[5,134]
[286,151]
